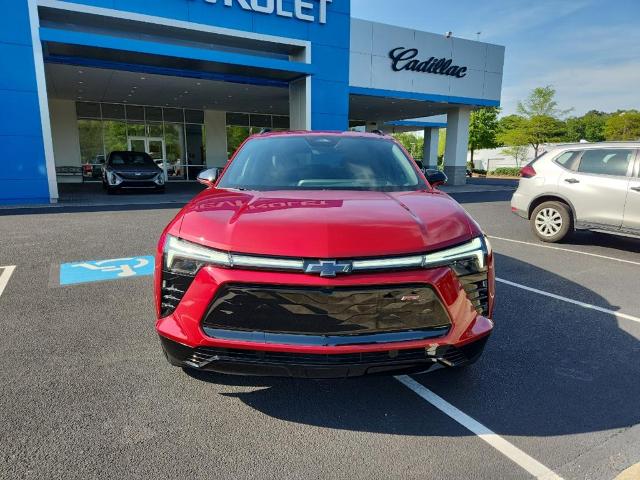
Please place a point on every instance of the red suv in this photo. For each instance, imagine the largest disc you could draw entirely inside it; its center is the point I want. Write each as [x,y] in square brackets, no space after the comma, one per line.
[323,255]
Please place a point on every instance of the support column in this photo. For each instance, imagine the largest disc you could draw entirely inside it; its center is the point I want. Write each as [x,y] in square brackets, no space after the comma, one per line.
[431,139]
[215,125]
[455,154]
[300,104]
[66,137]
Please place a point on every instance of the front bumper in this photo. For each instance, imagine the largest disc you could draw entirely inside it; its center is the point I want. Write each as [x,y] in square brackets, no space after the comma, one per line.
[189,343]
[301,365]
[137,184]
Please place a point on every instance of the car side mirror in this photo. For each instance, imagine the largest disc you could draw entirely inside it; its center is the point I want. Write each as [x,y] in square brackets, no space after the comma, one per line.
[209,177]
[436,177]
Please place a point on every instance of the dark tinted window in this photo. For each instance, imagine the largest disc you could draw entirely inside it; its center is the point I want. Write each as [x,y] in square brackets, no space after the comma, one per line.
[606,162]
[194,116]
[113,111]
[135,112]
[238,119]
[130,159]
[88,110]
[173,115]
[321,163]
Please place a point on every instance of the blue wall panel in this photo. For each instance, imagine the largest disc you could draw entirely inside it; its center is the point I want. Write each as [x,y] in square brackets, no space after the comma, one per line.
[14,22]
[12,72]
[23,176]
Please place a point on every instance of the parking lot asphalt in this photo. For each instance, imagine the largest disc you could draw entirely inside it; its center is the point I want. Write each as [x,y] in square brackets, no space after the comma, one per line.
[86,392]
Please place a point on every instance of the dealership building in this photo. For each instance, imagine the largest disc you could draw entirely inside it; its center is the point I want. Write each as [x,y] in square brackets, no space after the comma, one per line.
[188,80]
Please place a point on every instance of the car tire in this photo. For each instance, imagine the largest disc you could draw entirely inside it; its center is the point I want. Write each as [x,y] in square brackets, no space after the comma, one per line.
[551,221]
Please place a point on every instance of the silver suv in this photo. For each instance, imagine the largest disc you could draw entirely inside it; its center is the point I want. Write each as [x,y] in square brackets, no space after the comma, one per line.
[584,187]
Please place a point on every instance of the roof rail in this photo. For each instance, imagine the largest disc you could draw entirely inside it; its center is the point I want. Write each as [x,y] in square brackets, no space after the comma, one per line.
[265,130]
[378,132]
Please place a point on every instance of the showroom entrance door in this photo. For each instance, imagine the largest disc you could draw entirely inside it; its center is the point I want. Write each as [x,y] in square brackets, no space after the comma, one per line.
[154,146]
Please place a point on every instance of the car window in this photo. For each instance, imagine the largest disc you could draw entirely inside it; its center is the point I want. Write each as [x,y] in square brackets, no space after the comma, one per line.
[606,162]
[314,162]
[568,160]
[131,159]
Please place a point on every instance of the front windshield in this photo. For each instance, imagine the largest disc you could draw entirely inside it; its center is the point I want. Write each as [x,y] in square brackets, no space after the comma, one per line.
[131,159]
[318,162]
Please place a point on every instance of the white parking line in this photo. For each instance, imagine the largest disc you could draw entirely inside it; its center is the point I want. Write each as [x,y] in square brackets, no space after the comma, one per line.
[570,300]
[5,275]
[509,450]
[564,250]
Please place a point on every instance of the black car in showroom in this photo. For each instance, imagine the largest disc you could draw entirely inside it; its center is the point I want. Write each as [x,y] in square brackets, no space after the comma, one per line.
[131,170]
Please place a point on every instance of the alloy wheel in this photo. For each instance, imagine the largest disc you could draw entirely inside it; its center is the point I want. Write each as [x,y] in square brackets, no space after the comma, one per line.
[548,222]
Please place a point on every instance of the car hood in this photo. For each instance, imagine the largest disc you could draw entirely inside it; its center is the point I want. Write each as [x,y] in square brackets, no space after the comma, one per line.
[324,224]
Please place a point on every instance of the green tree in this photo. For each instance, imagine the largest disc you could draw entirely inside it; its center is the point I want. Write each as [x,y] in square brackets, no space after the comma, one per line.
[589,127]
[511,131]
[623,126]
[413,143]
[543,129]
[483,129]
[537,122]
[517,152]
[510,122]
[541,102]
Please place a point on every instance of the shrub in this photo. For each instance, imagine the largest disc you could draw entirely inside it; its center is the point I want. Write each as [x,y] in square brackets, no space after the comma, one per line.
[506,171]
[479,171]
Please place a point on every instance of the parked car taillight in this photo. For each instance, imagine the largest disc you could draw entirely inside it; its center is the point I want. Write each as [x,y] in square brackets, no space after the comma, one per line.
[87,168]
[527,172]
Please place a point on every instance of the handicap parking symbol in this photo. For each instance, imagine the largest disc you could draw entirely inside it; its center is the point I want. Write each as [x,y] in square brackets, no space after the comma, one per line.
[101,270]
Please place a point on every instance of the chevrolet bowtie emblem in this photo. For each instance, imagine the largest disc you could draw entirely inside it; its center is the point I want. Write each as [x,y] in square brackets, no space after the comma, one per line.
[328,268]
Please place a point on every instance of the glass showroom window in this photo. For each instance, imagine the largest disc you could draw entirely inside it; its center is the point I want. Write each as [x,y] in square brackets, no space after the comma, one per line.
[241,125]
[174,137]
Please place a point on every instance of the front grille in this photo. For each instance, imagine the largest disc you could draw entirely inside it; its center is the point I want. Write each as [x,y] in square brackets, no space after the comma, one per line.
[477,288]
[446,354]
[133,176]
[326,311]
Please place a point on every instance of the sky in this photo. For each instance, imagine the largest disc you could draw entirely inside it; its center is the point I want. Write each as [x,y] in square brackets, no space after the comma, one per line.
[588,50]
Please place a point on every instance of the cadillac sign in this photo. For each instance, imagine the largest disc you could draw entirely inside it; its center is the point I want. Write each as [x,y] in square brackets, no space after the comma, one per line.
[306,10]
[407,59]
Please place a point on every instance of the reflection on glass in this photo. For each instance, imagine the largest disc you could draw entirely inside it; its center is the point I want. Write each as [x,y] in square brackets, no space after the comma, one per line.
[91,148]
[155,130]
[137,145]
[235,137]
[156,148]
[174,141]
[115,136]
[135,129]
[195,150]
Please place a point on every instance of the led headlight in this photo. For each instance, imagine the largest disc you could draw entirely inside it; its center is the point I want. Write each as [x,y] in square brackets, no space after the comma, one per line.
[186,258]
[114,179]
[159,179]
[464,259]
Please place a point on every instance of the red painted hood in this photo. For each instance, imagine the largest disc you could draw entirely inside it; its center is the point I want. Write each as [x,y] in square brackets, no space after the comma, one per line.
[324,224]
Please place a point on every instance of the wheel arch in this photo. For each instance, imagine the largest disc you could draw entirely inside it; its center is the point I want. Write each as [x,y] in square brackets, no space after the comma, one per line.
[551,197]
